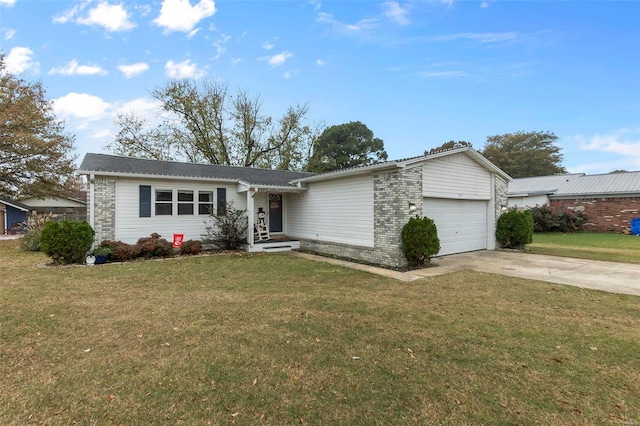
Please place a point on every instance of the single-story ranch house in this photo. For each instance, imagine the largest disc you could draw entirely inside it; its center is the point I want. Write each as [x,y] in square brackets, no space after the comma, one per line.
[355,213]
[13,215]
[610,200]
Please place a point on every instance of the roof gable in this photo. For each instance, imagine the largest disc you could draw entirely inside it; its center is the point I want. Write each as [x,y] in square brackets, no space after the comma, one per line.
[114,165]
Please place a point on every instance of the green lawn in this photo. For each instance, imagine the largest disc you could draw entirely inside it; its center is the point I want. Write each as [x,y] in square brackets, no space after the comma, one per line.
[609,247]
[276,339]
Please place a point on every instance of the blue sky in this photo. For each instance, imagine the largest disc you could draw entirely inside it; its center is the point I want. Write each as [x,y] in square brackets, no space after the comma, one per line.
[417,73]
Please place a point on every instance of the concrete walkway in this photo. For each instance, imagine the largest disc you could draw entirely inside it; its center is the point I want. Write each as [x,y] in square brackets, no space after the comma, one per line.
[613,277]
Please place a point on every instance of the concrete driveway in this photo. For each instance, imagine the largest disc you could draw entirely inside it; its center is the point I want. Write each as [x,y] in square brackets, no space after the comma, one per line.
[623,278]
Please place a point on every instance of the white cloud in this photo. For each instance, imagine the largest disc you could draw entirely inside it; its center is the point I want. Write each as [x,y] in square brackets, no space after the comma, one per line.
[623,142]
[184,69]
[9,33]
[484,4]
[179,15]
[481,37]
[220,45]
[81,106]
[362,25]
[20,60]
[289,74]
[74,68]
[321,62]
[396,13]
[112,17]
[277,60]
[442,74]
[7,2]
[133,70]
[267,46]
[236,60]
[144,107]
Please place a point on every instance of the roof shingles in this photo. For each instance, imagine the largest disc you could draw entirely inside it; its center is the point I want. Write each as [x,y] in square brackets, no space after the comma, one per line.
[113,164]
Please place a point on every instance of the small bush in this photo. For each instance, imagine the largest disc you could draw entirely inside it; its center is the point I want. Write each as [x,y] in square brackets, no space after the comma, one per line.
[515,229]
[153,246]
[546,219]
[34,226]
[420,240]
[191,247]
[228,229]
[66,241]
[121,252]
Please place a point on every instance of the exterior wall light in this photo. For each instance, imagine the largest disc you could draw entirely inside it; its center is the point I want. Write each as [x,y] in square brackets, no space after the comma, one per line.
[412,208]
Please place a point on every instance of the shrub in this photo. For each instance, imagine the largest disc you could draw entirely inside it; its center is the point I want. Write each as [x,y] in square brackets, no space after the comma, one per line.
[191,247]
[121,252]
[228,229]
[546,219]
[515,229]
[153,246]
[66,241]
[34,226]
[420,240]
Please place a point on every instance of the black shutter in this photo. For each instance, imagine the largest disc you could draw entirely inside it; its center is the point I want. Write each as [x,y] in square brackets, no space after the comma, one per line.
[222,201]
[145,201]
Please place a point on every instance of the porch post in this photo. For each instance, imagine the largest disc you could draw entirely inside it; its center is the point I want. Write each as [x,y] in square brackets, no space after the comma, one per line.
[250,217]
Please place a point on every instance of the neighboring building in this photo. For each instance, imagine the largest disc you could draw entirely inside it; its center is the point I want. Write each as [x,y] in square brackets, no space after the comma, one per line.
[356,213]
[69,208]
[610,201]
[13,215]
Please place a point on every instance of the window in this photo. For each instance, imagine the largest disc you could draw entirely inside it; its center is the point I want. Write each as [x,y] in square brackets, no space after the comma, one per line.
[205,202]
[185,202]
[222,201]
[164,202]
[145,201]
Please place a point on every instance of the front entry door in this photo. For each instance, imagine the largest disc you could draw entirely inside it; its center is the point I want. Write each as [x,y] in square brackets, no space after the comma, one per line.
[275,213]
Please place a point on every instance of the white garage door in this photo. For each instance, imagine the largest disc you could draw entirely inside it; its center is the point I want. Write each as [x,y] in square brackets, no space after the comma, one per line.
[462,224]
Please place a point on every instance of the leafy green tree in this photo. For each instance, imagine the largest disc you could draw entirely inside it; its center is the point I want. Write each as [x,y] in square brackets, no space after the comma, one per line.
[346,145]
[525,154]
[203,123]
[420,240]
[448,145]
[36,154]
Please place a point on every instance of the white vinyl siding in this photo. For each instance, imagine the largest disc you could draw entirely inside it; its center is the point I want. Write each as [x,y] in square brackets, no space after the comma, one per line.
[462,224]
[456,176]
[130,227]
[338,210]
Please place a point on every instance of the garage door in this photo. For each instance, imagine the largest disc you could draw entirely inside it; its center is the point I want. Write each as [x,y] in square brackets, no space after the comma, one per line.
[462,224]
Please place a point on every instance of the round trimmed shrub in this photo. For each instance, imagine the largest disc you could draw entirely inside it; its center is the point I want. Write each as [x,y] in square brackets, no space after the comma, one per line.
[191,247]
[153,246]
[122,252]
[66,241]
[515,229]
[420,240]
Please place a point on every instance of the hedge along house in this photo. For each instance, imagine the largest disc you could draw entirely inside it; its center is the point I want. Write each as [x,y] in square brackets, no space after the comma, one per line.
[355,213]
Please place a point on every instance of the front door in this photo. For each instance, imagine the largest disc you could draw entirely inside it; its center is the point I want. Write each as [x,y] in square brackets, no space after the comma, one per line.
[275,213]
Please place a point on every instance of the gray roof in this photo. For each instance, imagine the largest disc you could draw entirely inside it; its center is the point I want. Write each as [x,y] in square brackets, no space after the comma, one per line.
[118,165]
[579,185]
[540,184]
[15,204]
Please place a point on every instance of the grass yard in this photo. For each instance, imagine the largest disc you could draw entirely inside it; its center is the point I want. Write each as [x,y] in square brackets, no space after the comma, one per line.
[609,247]
[276,339]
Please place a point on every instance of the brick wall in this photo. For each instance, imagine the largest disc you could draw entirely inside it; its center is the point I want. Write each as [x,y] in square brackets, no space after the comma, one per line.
[105,209]
[604,214]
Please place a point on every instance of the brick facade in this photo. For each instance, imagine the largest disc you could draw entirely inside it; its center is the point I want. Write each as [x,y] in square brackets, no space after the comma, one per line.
[603,214]
[105,208]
